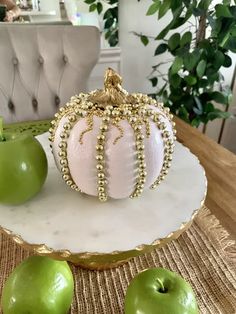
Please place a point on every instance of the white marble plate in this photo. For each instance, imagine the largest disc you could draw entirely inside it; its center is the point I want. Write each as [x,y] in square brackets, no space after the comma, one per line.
[64,219]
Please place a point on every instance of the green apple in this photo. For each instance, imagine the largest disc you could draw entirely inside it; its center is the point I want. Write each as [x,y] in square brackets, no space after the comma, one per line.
[159,291]
[39,285]
[23,167]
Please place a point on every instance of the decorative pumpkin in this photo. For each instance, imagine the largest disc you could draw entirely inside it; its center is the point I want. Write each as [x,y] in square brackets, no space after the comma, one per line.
[109,143]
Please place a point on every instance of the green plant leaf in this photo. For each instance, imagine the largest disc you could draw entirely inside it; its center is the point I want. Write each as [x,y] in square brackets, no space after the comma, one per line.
[109,22]
[201,68]
[204,4]
[191,80]
[217,60]
[175,80]
[233,31]
[196,122]
[219,97]
[107,14]
[108,34]
[164,7]
[232,10]
[114,39]
[174,41]
[222,11]
[203,83]
[99,7]
[186,39]
[175,5]
[191,60]
[92,7]
[114,12]
[208,107]
[212,76]
[216,114]
[177,65]
[154,81]
[144,40]
[89,1]
[163,33]
[161,49]
[224,33]
[231,44]
[178,22]
[183,114]
[153,8]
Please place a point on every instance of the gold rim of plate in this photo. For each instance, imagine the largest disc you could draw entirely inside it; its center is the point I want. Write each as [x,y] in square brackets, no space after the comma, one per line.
[102,261]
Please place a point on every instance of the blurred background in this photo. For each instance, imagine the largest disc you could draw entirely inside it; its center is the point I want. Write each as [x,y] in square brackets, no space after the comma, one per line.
[122,49]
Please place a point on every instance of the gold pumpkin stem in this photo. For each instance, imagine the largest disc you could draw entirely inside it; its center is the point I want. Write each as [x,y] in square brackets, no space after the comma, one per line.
[113,93]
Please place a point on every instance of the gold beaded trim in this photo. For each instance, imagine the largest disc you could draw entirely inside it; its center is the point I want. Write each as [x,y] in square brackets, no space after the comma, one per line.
[90,128]
[168,149]
[116,124]
[73,116]
[100,148]
[139,143]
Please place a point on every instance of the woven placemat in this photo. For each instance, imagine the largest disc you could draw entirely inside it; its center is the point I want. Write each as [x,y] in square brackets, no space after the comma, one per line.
[204,255]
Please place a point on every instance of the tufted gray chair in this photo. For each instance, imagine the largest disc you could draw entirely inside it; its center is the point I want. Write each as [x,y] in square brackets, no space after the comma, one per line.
[41,67]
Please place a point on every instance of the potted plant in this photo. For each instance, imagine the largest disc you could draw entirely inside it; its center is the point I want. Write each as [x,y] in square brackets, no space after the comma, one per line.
[202,34]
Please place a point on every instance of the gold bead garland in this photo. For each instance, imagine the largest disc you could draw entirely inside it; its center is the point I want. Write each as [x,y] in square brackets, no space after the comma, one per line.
[168,149]
[147,126]
[100,148]
[139,143]
[89,128]
[115,123]
[64,135]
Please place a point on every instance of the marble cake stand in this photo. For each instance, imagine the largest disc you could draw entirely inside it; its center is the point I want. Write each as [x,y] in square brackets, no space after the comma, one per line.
[66,225]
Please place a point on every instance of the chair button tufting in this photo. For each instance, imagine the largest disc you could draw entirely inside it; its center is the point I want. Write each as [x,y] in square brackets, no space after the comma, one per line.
[15,61]
[11,105]
[57,101]
[34,103]
[40,59]
[65,58]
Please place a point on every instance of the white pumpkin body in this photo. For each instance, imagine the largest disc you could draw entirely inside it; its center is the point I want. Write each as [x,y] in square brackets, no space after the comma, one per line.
[120,157]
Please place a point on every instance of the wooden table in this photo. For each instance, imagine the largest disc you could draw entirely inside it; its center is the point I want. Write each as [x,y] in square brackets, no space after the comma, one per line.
[220,166]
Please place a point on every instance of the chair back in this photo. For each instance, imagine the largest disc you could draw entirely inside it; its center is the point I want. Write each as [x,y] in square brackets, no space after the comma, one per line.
[42,66]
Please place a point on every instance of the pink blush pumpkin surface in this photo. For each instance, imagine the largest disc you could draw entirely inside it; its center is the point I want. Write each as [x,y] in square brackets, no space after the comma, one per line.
[114,149]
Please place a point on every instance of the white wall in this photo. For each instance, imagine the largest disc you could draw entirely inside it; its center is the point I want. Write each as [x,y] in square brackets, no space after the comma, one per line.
[52,5]
[137,59]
